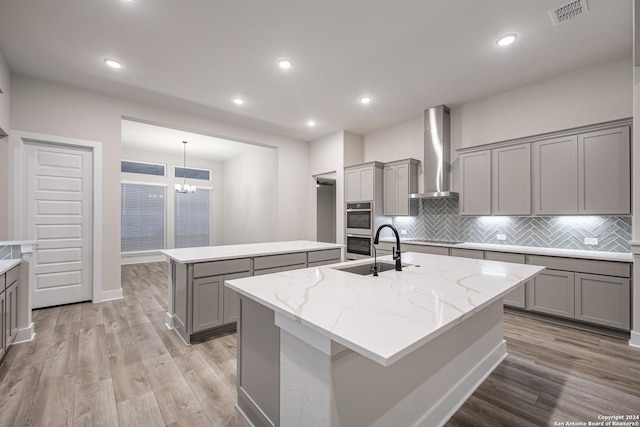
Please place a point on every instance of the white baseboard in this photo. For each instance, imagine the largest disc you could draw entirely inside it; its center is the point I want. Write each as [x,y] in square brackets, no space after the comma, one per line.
[169,323]
[634,340]
[25,335]
[126,259]
[110,295]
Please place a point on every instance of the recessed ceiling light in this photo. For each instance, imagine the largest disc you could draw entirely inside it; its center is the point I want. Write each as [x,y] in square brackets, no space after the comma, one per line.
[506,40]
[238,100]
[284,63]
[113,63]
[366,99]
[311,123]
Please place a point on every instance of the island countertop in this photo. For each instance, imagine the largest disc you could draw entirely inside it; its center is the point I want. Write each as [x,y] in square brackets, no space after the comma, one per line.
[225,252]
[385,318]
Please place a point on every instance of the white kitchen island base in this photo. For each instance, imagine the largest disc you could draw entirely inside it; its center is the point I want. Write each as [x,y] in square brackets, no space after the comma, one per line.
[322,383]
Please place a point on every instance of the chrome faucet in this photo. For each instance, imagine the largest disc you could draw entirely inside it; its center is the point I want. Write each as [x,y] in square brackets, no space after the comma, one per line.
[396,254]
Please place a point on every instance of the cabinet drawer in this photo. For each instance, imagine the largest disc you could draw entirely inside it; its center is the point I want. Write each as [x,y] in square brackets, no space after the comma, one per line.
[2,281]
[505,257]
[330,254]
[267,271]
[321,263]
[607,268]
[424,249]
[217,268]
[12,275]
[467,253]
[271,261]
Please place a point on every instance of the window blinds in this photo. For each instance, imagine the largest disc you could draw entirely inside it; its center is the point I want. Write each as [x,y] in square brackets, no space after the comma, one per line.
[142,217]
[192,219]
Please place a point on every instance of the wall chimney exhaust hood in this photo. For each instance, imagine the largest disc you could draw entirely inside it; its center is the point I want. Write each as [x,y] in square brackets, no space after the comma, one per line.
[437,152]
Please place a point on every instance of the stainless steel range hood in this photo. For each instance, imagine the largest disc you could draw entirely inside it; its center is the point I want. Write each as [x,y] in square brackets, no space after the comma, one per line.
[437,147]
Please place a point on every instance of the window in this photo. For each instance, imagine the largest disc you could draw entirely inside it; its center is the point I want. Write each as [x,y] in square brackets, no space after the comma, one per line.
[142,168]
[192,219]
[142,217]
[191,173]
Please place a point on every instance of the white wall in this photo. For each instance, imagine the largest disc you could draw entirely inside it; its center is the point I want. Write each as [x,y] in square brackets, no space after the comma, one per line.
[5,98]
[217,182]
[250,195]
[43,107]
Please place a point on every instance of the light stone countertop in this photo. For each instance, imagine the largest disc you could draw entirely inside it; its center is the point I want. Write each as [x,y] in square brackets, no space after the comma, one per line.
[217,253]
[385,318]
[530,250]
[8,264]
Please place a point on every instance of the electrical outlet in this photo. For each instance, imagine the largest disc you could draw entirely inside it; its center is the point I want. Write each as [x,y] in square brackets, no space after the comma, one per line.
[591,241]
[501,236]
[403,232]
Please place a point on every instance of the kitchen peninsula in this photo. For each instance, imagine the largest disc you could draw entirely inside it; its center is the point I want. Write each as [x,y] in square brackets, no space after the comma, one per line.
[325,347]
[200,305]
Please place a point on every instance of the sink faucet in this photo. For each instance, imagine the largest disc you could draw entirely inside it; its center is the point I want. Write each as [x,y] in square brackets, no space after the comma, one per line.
[396,254]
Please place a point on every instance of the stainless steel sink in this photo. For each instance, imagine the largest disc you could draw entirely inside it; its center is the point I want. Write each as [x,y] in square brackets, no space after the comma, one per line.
[365,269]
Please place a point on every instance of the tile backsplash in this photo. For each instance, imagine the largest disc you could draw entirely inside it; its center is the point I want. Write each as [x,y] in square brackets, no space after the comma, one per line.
[438,219]
[10,252]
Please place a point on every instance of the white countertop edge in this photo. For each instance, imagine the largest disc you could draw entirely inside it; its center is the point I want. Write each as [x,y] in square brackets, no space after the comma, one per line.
[18,242]
[248,250]
[531,250]
[8,264]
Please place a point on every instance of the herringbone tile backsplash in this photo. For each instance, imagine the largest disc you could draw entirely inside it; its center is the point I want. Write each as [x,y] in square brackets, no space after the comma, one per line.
[438,219]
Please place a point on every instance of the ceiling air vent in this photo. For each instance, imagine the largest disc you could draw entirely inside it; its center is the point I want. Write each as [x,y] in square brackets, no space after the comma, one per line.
[568,11]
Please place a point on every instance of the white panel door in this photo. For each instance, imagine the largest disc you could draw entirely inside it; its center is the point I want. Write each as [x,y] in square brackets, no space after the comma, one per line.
[59,216]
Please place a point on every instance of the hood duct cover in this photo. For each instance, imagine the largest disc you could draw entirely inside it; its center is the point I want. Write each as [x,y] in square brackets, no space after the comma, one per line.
[437,152]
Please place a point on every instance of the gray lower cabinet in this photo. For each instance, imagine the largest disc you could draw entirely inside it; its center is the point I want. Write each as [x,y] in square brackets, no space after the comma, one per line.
[8,308]
[517,297]
[3,341]
[230,303]
[602,300]
[467,253]
[207,303]
[553,292]
[11,303]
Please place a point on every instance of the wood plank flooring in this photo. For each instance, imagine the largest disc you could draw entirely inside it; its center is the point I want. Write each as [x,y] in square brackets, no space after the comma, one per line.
[116,364]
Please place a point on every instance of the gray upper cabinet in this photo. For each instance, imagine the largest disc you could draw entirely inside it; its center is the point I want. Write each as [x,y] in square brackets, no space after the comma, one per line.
[360,181]
[475,183]
[400,180]
[555,176]
[511,180]
[604,172]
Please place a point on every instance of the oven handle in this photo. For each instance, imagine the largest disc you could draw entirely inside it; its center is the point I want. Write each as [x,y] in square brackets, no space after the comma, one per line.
[363,236]
[358,210]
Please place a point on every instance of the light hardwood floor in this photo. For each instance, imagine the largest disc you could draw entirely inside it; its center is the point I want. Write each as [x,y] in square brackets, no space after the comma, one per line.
[116,364]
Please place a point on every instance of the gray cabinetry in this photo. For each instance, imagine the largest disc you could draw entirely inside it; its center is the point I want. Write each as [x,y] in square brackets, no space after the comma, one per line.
[276,263]
[475,183]
[361,181]
[603,300]
[604,172]
[3,341]
[596,292]
[553,292]
[11,302]
[400,180]
[207,303]
[517,297]
[8,308]
[318,258]
[555,176]
[511,180]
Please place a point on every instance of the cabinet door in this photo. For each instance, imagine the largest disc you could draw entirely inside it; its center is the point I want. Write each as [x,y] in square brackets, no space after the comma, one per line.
[604,172]
[603,300]
[555,176]
[11,306]
[3,316]
[552,292]
[390,207]
[231,299]
[402,190]
[366,183]
[511,180]
[207,303]
[475,183]
[517,297]
[352,185]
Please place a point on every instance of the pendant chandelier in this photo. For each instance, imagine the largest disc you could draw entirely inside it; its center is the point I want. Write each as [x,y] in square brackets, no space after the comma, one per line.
[185,188]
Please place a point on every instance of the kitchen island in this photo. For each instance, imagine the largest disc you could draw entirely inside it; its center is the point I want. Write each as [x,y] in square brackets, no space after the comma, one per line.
[199,305]
[325,347]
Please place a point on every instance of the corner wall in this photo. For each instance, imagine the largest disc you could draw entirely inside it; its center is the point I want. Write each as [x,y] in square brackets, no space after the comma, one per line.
[5,125]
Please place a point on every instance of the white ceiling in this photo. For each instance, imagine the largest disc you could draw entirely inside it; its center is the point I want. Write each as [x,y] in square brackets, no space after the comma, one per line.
[408,54]
[148,137]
